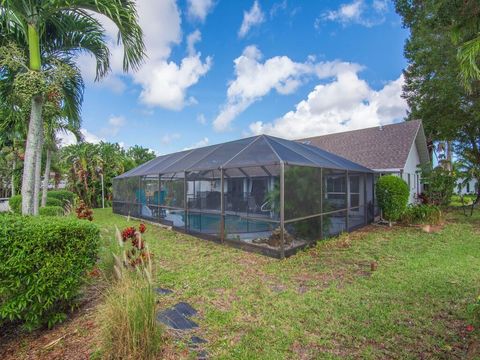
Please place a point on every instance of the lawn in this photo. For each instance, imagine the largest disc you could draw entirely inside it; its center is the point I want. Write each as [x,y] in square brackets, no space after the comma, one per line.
[325,302]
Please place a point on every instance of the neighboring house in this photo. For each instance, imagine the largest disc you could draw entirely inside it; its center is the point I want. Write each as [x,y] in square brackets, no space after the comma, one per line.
[390,149]
[468,188]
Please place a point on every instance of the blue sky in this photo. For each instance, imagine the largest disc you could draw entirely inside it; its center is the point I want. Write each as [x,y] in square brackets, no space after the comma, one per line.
[218,70]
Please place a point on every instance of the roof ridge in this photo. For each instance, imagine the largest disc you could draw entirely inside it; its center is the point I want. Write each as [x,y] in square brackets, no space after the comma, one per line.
[402,123]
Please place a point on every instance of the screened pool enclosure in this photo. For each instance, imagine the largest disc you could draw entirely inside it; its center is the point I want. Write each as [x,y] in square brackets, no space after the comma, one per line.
[261,193]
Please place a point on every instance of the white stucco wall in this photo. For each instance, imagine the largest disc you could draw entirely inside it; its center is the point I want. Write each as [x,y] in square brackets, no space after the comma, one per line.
[410,171]
[464,189]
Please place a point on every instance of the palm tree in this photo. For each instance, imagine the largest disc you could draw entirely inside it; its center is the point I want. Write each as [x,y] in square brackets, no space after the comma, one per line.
[65,27]
[53,126]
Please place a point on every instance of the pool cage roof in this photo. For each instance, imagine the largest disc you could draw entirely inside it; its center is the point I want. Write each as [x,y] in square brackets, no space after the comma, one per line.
[261,150]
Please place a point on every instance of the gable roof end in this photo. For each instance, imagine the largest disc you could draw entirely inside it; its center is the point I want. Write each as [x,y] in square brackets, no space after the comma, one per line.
[378,148]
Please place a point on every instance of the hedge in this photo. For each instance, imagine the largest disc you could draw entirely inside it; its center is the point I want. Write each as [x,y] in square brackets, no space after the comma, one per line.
[392,196]
[54,198]
[64,196]
[43,261]
[53,202]
[15,203]
[51,211]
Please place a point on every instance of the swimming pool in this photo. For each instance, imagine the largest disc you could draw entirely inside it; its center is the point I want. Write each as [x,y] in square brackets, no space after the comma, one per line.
[210,223]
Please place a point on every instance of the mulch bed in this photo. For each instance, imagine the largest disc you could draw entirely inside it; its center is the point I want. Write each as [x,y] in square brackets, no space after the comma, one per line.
[74,339]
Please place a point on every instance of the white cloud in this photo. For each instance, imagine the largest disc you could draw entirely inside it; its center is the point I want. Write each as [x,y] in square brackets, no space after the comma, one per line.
[202,119]
[347,103]
[251,18]
[192,39]
[169,138]
[115,123]
[201,143]
[164,83]
[278,7]
[356,12]
[199,9]
[67,138]
[255,79]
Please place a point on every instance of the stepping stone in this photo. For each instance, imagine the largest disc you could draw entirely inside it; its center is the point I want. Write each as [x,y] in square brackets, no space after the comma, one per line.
[185,309]
[162,291]
[176,320]
[195,340]
[202,355]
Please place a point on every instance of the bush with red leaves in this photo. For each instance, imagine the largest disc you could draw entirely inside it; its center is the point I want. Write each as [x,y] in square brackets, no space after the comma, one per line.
[137,254]
[83,211]
[128,233]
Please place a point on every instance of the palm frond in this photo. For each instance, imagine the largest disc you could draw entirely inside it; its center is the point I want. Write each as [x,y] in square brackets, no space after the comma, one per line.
[468,56]
[70,33]
[124,14]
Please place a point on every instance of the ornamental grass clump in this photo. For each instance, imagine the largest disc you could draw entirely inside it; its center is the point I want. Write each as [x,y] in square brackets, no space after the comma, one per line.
[128,327]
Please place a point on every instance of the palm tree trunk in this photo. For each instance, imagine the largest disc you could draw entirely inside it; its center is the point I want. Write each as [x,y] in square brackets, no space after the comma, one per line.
[14,166]
[46,178]
[38,172]
[28,178]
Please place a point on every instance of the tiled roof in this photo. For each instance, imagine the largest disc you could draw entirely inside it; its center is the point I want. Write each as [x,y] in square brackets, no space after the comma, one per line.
[381,147]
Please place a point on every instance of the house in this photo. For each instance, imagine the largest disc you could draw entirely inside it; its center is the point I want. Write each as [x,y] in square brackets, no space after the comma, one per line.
[466,188]
[391,149]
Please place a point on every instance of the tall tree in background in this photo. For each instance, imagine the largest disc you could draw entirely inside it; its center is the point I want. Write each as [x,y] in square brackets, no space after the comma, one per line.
[466,35]
[434,90]
[84,162]
[140,155]
[67,27]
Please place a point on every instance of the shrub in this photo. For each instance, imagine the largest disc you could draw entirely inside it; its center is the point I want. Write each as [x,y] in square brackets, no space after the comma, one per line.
[65,196]
[42,266]
[422,214]
[392,196]
[51,211]
[15,203]
[439,185]
[54,202]
[83,211]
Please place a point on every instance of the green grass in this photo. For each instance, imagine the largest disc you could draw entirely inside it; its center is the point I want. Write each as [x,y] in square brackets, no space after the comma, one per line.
[457,200]
[325,303]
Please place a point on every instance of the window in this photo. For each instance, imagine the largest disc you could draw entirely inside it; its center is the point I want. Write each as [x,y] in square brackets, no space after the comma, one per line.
[468,187]
[408,180]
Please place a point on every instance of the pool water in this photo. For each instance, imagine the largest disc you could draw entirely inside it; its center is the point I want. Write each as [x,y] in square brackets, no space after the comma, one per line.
[210,223]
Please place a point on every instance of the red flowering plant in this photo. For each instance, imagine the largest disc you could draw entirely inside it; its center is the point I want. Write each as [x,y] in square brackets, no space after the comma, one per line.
[136,252]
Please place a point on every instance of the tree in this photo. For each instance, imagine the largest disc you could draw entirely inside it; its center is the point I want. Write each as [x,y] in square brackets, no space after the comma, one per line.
[65,27]
[140,155]
[467,38]
[63,86]
[450,111]
[52,127]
